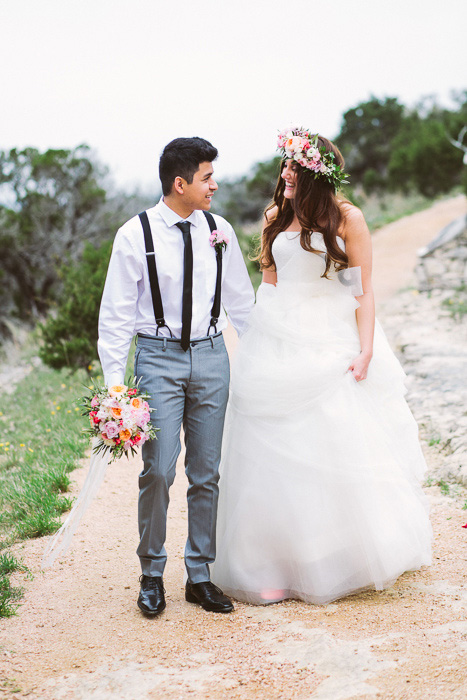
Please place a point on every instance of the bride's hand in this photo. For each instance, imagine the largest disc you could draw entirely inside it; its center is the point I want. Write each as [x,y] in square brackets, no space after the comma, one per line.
[359,366]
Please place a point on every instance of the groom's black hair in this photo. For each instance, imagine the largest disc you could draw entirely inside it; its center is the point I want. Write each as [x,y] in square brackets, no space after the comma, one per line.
[181,158]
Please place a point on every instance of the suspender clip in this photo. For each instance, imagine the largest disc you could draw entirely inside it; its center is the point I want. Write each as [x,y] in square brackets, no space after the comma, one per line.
[213,324]
[162,324]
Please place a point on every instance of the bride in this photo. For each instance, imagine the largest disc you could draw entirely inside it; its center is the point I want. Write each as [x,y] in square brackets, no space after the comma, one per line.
[320,477]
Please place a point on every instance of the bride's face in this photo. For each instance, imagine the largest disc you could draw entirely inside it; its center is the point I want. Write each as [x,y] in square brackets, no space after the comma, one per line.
[289,174]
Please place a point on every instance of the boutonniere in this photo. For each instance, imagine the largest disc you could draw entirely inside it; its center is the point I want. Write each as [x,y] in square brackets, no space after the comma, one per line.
[218,240]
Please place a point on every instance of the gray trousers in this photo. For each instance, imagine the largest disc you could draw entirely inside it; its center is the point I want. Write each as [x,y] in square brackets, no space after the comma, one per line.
[191,388]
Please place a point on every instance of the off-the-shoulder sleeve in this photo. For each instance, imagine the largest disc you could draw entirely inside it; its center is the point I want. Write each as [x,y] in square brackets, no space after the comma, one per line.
[351,278]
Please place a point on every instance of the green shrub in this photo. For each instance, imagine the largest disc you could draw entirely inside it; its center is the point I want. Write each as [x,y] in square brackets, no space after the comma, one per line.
[70,333]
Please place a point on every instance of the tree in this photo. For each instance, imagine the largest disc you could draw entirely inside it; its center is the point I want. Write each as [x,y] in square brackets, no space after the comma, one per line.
[422,158]
[51,203]
[243,200]
[365,139]
[55,200]
[70,332]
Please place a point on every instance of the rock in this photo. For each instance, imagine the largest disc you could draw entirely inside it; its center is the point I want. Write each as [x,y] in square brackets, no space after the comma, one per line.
[460,252]
[431,345]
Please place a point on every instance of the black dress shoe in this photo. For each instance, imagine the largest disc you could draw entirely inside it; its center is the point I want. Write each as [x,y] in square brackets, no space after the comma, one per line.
[151,599]
[209,596]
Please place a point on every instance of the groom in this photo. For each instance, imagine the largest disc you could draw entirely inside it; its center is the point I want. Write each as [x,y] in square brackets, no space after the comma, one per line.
[167,282]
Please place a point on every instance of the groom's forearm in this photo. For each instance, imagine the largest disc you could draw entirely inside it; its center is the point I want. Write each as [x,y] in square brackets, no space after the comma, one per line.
[113,360]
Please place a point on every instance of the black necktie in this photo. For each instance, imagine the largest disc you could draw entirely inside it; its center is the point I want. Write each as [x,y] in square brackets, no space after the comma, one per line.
[184,227]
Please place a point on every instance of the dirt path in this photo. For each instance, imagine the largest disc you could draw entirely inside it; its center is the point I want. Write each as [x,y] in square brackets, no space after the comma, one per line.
[79,634]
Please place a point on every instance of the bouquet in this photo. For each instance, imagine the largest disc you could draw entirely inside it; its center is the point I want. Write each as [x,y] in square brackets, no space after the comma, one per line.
[119,419]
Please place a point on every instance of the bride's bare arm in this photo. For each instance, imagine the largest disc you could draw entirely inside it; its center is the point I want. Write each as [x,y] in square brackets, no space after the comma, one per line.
[269,276]
[358,248]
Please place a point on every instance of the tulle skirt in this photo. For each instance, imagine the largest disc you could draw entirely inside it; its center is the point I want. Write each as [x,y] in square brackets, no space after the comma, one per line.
[320,477]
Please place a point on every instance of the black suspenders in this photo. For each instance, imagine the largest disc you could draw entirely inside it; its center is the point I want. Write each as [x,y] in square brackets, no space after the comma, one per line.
[216,307]
[154,280]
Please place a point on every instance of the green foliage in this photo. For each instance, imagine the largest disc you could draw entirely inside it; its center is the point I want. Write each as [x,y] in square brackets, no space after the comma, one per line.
[9,594]
[385,207]
[52,203]
[54,199]
[243,200]
[464,181]
[387,146]
[249,240]
[40,443]
[443,487]
[34,501]
[423,159]
[365,139]
[457,304]
[8,563]
[70,333]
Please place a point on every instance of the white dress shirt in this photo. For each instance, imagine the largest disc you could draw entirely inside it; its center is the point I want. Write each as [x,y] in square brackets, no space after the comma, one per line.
[126,307]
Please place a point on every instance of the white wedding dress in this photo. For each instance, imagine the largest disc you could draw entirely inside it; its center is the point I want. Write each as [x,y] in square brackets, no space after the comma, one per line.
[320,490]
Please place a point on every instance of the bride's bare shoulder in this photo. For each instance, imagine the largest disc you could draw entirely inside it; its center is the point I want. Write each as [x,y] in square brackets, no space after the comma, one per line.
[352,219]
[350,211]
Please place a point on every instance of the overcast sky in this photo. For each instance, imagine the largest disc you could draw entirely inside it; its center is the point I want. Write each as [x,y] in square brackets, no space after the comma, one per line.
[127,76]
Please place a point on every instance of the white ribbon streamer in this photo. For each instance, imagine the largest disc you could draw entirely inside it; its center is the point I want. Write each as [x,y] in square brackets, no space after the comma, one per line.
[62,539]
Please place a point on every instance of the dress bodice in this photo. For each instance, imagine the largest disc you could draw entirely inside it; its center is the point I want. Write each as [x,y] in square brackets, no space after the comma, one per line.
[295,263]
[299,266]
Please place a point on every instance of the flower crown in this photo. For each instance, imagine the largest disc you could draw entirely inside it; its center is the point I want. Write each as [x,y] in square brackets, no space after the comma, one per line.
[298,144]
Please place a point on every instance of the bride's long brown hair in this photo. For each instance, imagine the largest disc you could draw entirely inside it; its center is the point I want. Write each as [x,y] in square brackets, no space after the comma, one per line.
[317,208]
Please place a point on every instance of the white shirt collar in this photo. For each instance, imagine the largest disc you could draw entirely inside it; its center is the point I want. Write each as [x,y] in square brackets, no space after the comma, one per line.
[171,217]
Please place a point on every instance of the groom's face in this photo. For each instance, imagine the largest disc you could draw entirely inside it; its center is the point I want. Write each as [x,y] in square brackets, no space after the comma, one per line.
[198,194]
